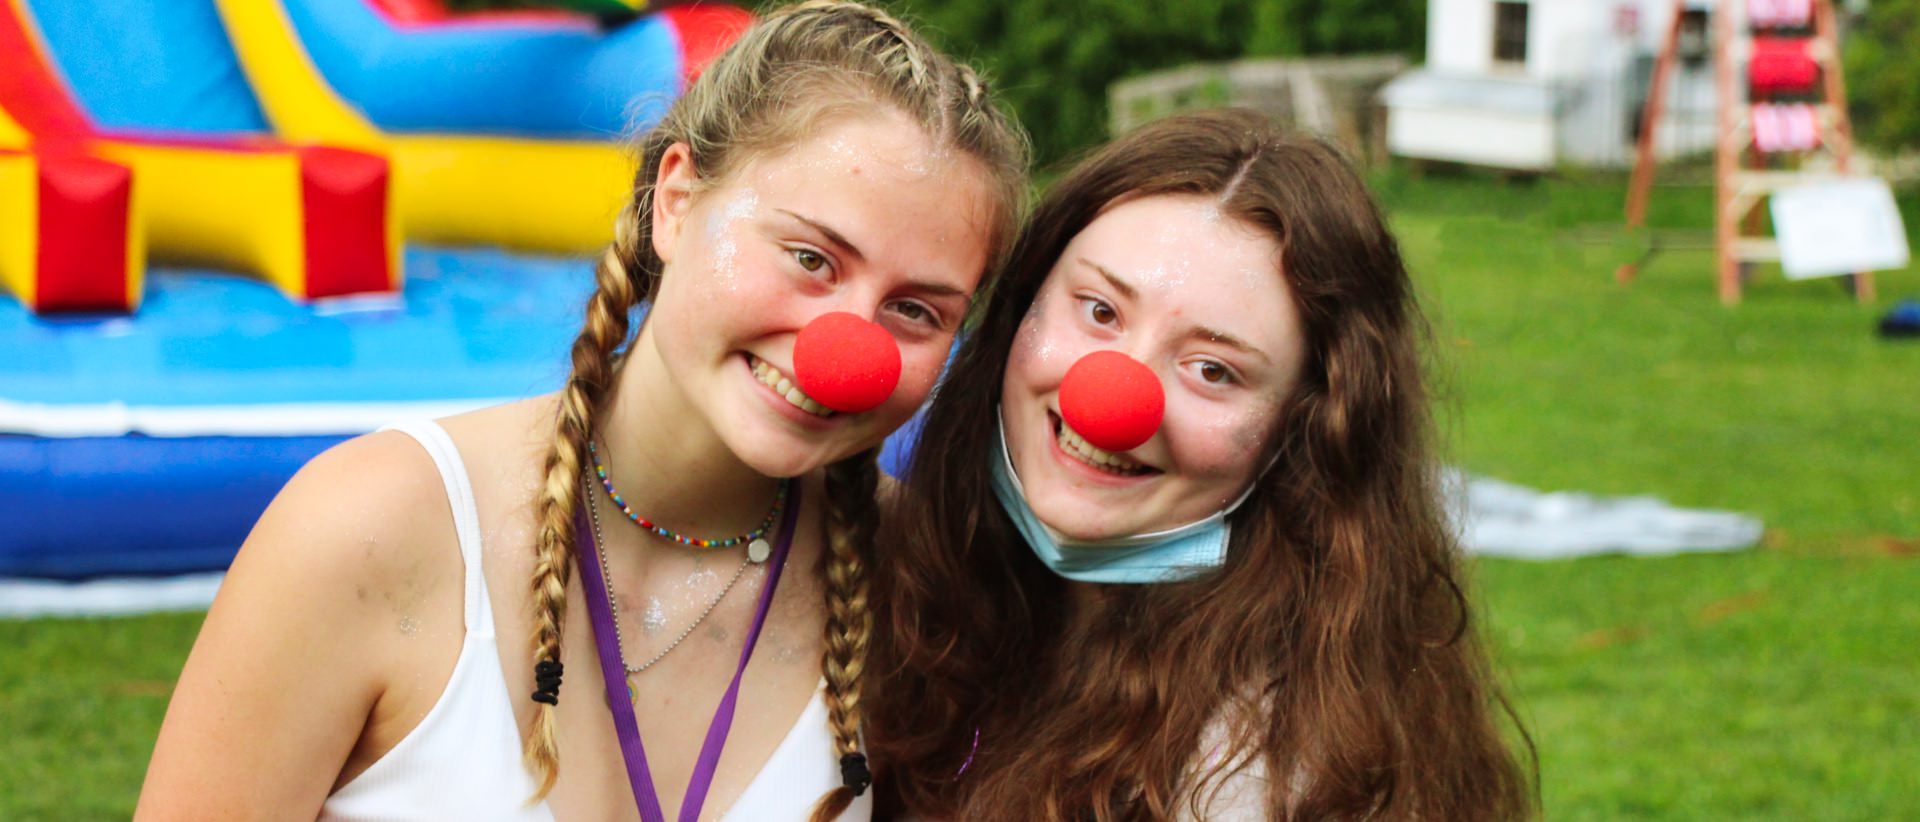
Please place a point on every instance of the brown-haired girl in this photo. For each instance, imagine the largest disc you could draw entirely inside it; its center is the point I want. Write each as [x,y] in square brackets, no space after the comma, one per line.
[374,648]
[1198,569]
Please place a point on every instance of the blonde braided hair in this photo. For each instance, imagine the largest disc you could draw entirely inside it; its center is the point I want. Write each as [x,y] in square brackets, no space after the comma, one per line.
[619,280]
[768,91]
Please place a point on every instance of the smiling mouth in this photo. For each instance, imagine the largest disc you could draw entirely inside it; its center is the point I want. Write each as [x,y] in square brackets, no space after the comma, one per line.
[1105,461]
[783,385]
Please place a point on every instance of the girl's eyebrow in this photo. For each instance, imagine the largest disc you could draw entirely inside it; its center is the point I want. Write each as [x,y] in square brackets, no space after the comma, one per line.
[937,289]
[1126,290]
[832,236]
[1201,332]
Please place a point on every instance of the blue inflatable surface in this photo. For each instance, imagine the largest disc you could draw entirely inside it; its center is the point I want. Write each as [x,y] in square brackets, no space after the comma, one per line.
[471,323]
[209,350]
[114,506]
[150,65]
[552,80]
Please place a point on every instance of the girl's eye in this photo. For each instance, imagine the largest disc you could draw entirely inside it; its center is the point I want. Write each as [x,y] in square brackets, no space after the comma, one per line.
[1215,373]
[1099,312]
[809,260]
[915,312]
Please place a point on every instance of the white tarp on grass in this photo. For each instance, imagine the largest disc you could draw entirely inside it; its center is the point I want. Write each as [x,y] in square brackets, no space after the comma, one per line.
[1501,519]
[1493,518]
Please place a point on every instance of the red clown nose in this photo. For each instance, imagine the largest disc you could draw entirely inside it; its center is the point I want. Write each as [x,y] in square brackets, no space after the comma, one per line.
[846,363]
[1112,400]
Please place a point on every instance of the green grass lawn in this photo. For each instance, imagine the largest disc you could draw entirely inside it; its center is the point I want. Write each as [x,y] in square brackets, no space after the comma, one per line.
[1776,683]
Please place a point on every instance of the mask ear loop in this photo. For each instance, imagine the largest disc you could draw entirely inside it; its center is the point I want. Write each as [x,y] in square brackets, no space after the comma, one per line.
[1252,484]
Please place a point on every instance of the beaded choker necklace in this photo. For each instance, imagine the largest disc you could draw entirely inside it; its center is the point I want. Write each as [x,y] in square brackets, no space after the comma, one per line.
[757,549]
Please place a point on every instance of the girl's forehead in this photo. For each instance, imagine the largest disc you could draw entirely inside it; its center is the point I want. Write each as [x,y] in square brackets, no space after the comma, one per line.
[1179,252]
[884,188]
[880,143]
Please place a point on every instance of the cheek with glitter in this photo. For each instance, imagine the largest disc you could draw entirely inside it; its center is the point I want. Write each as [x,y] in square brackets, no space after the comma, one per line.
[1229,442]
[1037,344]
[724,227]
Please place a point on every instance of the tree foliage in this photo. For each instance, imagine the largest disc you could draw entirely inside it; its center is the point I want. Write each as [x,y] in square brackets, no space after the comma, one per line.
[1883,79]
[1053,59]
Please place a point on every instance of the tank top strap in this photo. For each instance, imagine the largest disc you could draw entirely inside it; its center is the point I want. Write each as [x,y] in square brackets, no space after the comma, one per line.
[466,517]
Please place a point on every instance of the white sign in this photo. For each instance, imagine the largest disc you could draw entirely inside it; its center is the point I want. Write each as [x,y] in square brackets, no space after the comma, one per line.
[1838,227]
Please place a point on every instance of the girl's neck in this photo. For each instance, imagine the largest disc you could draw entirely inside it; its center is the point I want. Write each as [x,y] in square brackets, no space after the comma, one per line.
[667,461]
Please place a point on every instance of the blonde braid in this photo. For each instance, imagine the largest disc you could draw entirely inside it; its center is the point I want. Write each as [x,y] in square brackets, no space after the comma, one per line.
[853,516]
[594,366]
[767,92]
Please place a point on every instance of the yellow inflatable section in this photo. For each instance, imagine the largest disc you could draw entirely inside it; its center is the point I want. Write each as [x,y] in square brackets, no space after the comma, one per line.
[252,210]
[541,195]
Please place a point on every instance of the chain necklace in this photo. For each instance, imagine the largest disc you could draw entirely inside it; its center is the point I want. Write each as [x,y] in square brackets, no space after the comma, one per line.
[757,548]
[613,601]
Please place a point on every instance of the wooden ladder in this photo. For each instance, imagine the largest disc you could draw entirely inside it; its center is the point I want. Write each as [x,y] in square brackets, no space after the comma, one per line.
[1742,181]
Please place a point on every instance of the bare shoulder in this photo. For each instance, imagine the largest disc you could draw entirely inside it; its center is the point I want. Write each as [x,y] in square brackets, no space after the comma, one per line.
[298,647]
[509,433]
[362,513]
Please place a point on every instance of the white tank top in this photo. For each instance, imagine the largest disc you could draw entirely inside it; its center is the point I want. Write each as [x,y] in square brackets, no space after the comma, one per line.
[463,760]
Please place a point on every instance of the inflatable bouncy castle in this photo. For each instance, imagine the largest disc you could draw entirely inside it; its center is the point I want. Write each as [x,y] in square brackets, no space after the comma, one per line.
[206,207]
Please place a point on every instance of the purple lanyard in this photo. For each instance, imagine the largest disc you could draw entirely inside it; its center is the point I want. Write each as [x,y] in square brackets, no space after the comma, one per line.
[600,613]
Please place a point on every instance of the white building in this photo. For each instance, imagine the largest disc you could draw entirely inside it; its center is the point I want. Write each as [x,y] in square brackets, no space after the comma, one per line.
[1530,84]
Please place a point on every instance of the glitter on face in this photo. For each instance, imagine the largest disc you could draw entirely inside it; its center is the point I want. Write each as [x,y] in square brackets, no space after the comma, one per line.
[1041,347]
[723,228]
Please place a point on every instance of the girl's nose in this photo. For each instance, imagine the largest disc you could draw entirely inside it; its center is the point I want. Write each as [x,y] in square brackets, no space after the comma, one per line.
[1112,400]
[846,363]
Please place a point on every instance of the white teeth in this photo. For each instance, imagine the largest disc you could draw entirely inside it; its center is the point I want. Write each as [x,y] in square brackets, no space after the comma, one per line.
[1074,444]
[772,378]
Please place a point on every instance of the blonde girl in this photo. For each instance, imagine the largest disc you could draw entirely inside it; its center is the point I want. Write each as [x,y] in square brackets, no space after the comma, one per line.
[374,648]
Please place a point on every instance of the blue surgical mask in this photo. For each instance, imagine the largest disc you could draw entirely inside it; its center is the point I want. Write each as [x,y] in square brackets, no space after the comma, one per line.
[1169,555]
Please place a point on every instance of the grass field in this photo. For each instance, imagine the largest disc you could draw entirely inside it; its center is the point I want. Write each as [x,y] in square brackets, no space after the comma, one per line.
[1772,684]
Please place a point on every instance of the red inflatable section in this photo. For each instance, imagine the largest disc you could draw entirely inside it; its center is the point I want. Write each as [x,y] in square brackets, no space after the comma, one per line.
[434,12]
[705,31]
[84,203]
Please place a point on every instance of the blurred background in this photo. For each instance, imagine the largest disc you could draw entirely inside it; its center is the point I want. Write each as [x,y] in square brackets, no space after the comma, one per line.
[1664,245]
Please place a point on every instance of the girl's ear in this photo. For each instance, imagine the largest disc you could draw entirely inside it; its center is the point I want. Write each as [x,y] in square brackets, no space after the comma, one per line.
[672,198]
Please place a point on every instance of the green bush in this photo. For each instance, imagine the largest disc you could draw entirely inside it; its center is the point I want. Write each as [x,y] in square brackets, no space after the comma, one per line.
[1882,94]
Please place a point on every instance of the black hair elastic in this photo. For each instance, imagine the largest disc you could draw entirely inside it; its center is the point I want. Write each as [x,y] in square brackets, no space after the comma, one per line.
[546,679]
[854,773]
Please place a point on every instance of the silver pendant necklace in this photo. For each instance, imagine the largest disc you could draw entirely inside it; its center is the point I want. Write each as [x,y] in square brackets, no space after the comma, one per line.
[755,553]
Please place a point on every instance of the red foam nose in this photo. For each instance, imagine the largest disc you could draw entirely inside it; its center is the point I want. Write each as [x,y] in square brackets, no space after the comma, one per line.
[1112,400]
[846,363]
